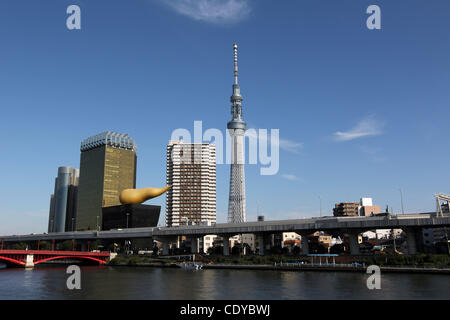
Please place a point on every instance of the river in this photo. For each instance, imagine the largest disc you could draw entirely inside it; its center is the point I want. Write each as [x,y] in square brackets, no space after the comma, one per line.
[99,282]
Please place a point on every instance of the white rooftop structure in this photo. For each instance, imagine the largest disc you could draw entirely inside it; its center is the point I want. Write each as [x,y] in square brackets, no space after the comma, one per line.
[109,138]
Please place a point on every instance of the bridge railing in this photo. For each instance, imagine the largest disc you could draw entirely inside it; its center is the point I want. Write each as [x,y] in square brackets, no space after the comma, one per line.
[56,252]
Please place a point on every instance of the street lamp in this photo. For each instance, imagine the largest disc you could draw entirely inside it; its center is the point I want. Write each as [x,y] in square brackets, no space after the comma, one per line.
[73,219]
[127,218]
[97,223]
[320,199]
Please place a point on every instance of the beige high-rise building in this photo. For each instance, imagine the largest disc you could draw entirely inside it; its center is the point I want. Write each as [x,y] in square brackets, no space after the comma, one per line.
[107,166]
[191,171]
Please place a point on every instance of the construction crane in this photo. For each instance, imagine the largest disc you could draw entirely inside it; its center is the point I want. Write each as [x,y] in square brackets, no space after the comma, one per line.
[444,207]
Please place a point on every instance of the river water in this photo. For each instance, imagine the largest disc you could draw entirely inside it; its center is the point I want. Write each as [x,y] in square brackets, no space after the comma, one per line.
[98,282]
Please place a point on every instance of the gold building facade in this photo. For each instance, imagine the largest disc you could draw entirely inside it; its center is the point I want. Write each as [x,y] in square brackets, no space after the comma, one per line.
[107,166]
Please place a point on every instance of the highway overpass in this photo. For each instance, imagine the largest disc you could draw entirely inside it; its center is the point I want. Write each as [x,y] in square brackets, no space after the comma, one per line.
[410,223]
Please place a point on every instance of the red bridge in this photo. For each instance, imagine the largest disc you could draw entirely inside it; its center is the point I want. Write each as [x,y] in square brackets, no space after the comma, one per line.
[29,258]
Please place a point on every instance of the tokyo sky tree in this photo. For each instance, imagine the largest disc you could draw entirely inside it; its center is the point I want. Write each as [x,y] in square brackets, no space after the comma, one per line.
[236,128]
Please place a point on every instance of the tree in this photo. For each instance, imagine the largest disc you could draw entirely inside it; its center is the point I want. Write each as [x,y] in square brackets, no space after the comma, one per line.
[45,245]
[248,249]
[275,250]
[19,246]
[337,248]
[66,245]
[236,250]
[155,249]
[94,245]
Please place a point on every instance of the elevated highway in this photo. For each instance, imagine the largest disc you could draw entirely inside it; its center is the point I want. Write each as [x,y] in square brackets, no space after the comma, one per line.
[410,223]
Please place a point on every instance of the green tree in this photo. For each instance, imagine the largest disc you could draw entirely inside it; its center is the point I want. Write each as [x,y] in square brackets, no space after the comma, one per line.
[45,245]
[66,245]
[94,245]
[19,246]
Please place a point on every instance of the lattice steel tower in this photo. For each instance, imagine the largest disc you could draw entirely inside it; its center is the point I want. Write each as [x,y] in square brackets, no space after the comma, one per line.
[236,128]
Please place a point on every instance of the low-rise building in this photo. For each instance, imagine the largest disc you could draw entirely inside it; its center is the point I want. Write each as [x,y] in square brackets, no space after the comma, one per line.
[207,242]
[291,239]
[382,234]
[320,237]
[364,207]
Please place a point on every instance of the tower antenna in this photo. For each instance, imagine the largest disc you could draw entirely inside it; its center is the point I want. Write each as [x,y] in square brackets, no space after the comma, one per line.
[236,128]
[235,46]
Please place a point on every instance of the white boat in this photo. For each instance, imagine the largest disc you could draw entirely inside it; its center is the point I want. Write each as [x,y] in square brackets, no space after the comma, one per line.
[190,266]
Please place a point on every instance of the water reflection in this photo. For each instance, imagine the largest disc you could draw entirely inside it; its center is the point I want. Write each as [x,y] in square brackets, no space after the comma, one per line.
[168,283]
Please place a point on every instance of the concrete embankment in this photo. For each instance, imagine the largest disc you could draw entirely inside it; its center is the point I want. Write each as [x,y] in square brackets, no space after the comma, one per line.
[144,264]
[332,268]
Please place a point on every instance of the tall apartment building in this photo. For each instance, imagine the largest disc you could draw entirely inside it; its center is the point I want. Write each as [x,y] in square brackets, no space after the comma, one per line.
[63,202]
[107,166]
[191,171]
[346,209]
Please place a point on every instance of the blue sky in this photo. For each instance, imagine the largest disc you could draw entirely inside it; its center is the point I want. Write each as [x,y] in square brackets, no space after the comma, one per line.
[360,112]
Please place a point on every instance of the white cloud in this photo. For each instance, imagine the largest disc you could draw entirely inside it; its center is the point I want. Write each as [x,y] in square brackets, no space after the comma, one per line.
[368,126]
[290,146]
[283,144]
[214,11]
[292,177]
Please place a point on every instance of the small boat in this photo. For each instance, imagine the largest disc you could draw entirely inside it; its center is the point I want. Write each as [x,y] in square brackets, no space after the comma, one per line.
[2,266]
[190,266]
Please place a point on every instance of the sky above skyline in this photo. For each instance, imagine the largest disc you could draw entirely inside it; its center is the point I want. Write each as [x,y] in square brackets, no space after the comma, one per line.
[361,112]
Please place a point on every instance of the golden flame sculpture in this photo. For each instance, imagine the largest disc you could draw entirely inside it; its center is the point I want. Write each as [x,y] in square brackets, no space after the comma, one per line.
[136,196]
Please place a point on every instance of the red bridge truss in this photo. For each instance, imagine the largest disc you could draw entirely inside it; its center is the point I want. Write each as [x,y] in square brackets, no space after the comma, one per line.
[19,257]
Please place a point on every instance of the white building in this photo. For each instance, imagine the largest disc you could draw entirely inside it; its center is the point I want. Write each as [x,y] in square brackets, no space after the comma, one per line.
[290,239]
[207,242]
[191,171]
[366,202]
[382,233]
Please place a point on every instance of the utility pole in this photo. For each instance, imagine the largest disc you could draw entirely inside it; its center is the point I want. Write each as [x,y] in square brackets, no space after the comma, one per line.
[401,199]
